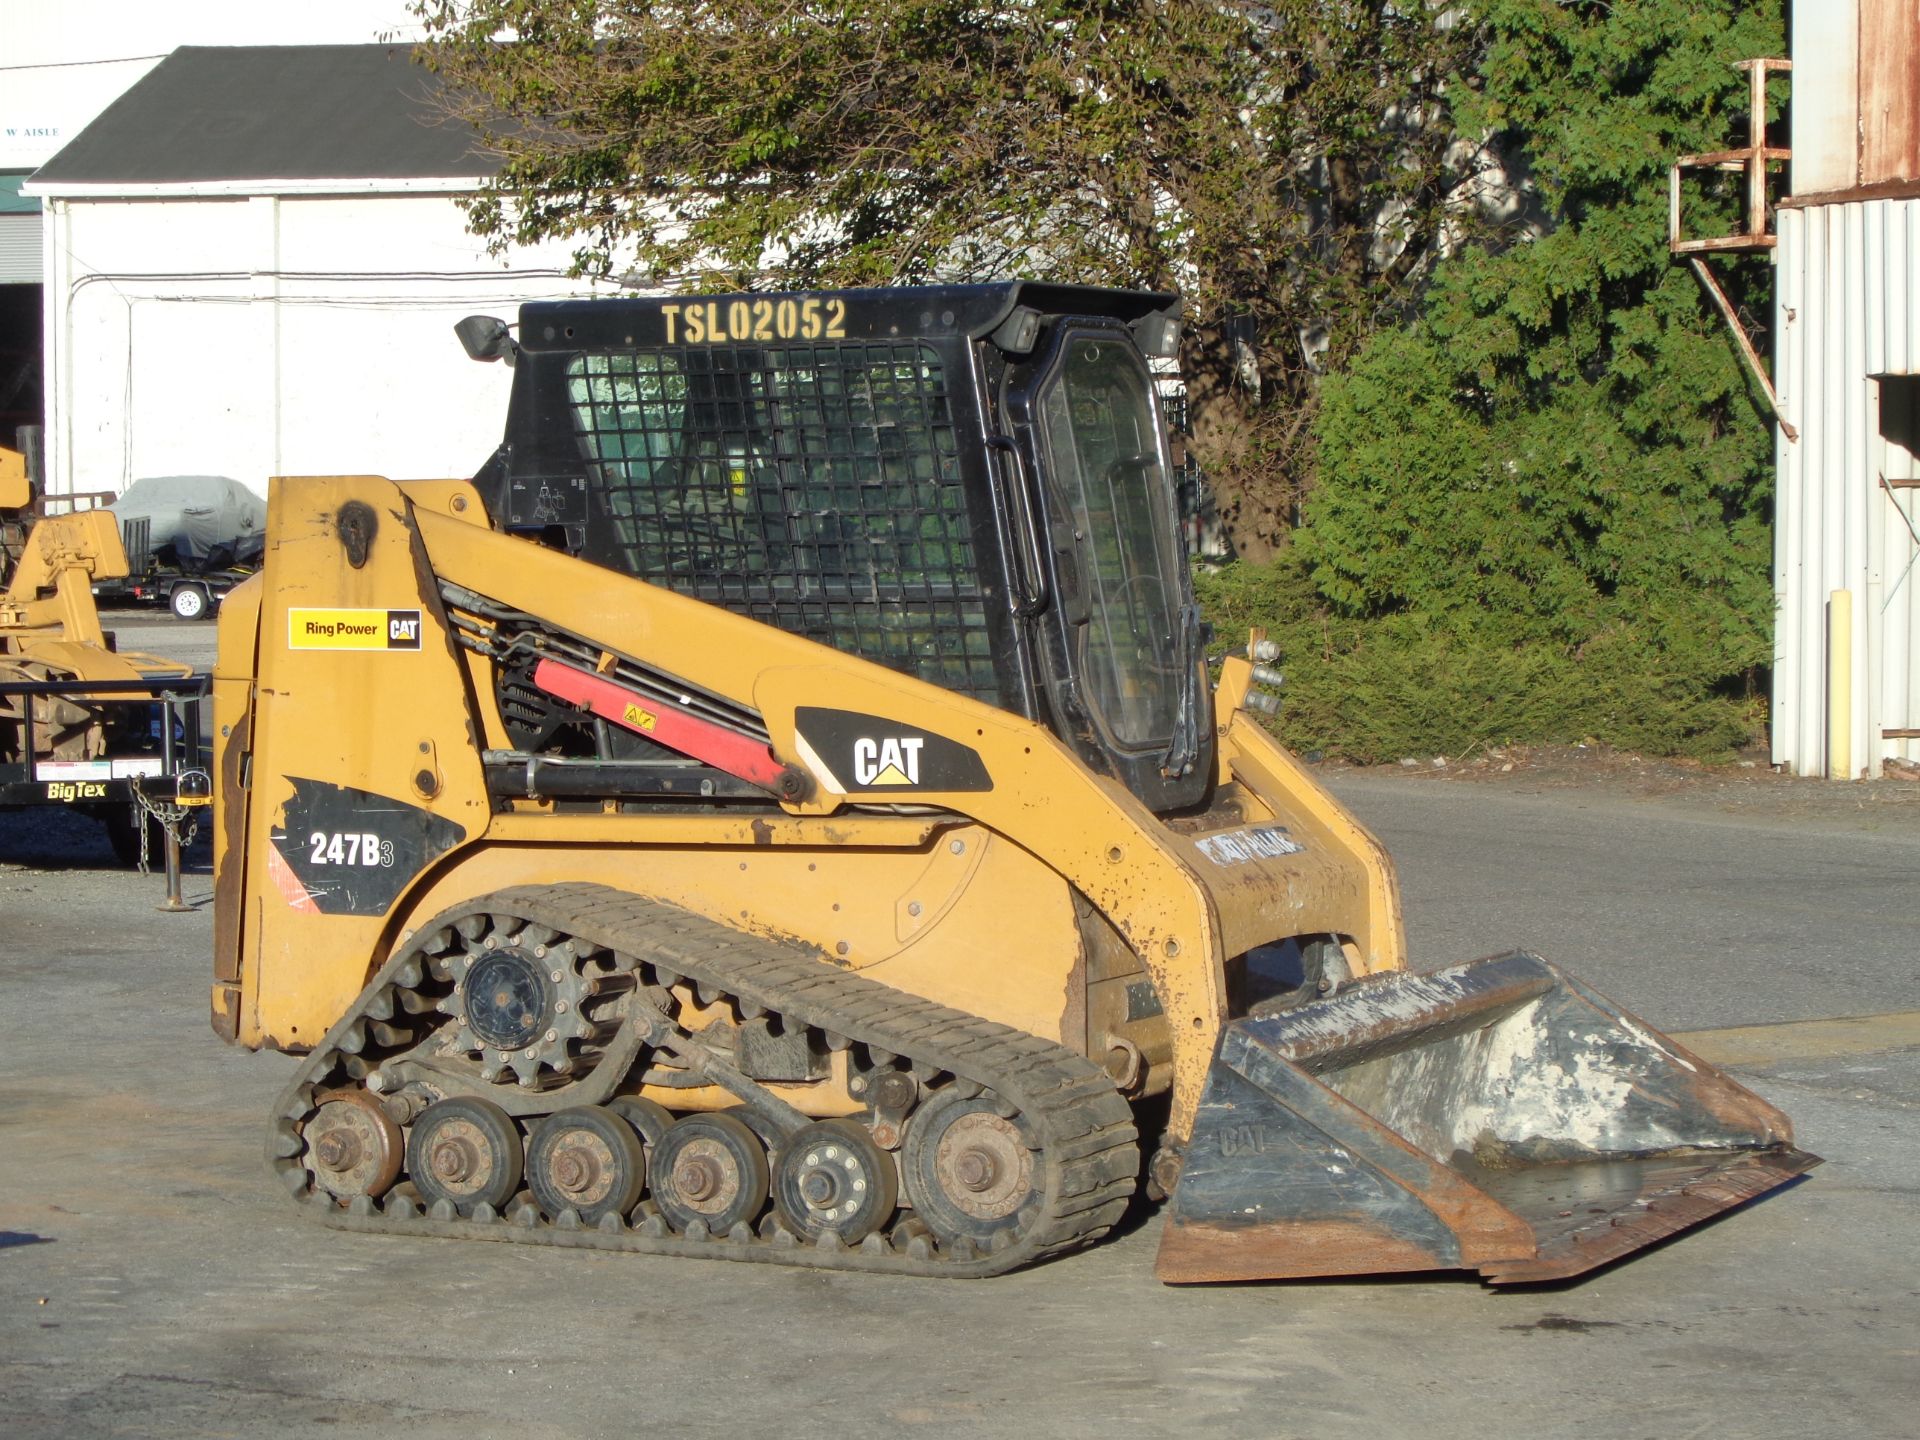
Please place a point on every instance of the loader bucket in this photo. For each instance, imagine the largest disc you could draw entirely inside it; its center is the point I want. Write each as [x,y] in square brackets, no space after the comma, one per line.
[1496,1116]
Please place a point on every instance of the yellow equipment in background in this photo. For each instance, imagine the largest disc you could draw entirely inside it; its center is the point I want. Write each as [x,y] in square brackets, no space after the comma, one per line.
[16,491]
[779,811]
[16,494]
[77,715]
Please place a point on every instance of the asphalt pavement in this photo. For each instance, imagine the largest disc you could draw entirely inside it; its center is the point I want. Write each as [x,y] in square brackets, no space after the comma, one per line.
[154,1282]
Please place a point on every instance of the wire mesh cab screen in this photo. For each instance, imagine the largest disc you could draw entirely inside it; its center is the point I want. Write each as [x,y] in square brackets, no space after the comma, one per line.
[814,487]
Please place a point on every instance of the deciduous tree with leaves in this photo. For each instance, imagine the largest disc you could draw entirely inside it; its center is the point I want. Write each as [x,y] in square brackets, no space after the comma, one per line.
[1292,167]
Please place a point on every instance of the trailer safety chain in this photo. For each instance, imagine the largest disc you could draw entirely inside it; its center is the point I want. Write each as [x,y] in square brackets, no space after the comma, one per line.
[982,1093]
[177,820]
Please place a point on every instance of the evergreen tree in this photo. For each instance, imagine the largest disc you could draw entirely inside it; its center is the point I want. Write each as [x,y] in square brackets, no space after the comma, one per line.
[1561,475]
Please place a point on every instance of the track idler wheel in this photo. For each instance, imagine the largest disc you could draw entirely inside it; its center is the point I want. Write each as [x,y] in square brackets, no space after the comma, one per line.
[832,1176]
[467,1152]
[650,1121]
[353,1147]
[709,1169]
[587,1160]
[971,1172]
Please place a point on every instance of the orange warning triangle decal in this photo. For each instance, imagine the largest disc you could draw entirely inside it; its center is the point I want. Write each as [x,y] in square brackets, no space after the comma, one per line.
[288,884]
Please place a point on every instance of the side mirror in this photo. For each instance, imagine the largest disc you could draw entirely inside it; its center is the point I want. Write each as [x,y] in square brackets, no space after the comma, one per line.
[1018,332]
[485,338]
[1158,334]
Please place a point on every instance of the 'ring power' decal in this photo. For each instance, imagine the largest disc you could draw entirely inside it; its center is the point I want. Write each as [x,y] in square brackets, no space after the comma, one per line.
[341,851]
[311,629]
[869,752]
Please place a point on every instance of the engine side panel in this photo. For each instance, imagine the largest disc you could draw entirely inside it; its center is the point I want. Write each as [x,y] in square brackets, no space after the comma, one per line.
[362,767]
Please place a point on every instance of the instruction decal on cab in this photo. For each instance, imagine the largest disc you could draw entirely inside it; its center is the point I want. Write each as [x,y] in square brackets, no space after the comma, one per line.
[853,752]
[314,629]
[1254,842]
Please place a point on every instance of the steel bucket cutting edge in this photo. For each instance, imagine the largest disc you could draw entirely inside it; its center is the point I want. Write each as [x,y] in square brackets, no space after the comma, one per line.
[1496,1116]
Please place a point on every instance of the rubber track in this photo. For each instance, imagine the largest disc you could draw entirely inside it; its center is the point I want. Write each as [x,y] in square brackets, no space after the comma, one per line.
[1088,1152]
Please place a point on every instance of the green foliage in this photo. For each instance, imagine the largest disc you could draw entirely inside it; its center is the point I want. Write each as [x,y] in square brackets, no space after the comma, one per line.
[1378,689]
[1537,478]
[1542,510]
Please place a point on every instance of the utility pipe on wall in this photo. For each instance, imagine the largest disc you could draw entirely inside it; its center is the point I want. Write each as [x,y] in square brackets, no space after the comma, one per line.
[1840,685]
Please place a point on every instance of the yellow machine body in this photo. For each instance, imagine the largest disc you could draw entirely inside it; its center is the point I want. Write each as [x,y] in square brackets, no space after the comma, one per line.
[77,714]
[997,903]
[1049,902]
[781,810]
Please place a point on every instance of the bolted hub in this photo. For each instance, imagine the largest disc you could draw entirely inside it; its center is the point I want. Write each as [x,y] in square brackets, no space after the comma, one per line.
[338,1150]
[353,1147]
[521,1002]
[509,999]
[977,1170]
[981,1163]
[575,1170]
[832,1181]
[830,1176]
[453,1159]
[697,1177]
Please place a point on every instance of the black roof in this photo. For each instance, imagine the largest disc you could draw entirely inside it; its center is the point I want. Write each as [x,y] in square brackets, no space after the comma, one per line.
[273,112]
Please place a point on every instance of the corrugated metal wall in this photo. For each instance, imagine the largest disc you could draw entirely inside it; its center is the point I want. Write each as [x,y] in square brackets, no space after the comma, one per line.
[20,250]
[1847,310]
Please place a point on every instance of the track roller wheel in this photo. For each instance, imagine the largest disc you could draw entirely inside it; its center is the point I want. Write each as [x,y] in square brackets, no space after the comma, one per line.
[971,1172]
[709,1168]
[832,1176]
[651,1121]
[353,1147]
[466,1151]
[588,1160]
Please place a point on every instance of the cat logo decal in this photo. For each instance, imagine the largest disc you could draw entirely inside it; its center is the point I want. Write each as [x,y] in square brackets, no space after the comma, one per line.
[850,752]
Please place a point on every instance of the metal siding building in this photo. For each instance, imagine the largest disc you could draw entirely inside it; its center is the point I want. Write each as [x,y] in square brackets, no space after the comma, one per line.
[1848,348]
[1847,369]
[255,260]
[19,234]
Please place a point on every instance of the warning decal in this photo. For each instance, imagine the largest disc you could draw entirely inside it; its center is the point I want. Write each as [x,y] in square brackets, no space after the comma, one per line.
[1254,842]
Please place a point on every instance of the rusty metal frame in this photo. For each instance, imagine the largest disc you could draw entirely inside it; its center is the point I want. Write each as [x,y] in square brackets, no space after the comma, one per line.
[1754,236]
[1753,158]
[1743,340]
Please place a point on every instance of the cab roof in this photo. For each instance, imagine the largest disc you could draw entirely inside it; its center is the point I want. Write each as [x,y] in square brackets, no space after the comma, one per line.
[895,313]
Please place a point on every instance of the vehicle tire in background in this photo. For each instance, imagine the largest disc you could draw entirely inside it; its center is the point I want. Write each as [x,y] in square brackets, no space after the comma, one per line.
[123,834]
[191,602]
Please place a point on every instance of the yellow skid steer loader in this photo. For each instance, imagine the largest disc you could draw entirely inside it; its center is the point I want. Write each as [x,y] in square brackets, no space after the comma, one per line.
[778,810]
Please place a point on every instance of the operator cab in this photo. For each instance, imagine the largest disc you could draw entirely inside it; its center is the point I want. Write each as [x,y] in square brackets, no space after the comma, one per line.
[968,484]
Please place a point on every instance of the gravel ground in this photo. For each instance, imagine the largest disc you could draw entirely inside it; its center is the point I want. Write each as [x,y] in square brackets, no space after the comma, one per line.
[153,1282]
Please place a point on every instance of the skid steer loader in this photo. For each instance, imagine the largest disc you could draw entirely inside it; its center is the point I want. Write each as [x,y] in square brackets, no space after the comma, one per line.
[778,811]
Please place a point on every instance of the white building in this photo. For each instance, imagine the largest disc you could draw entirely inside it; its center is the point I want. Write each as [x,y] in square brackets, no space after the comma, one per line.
[60,66]
[1847,368]
[254,260]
